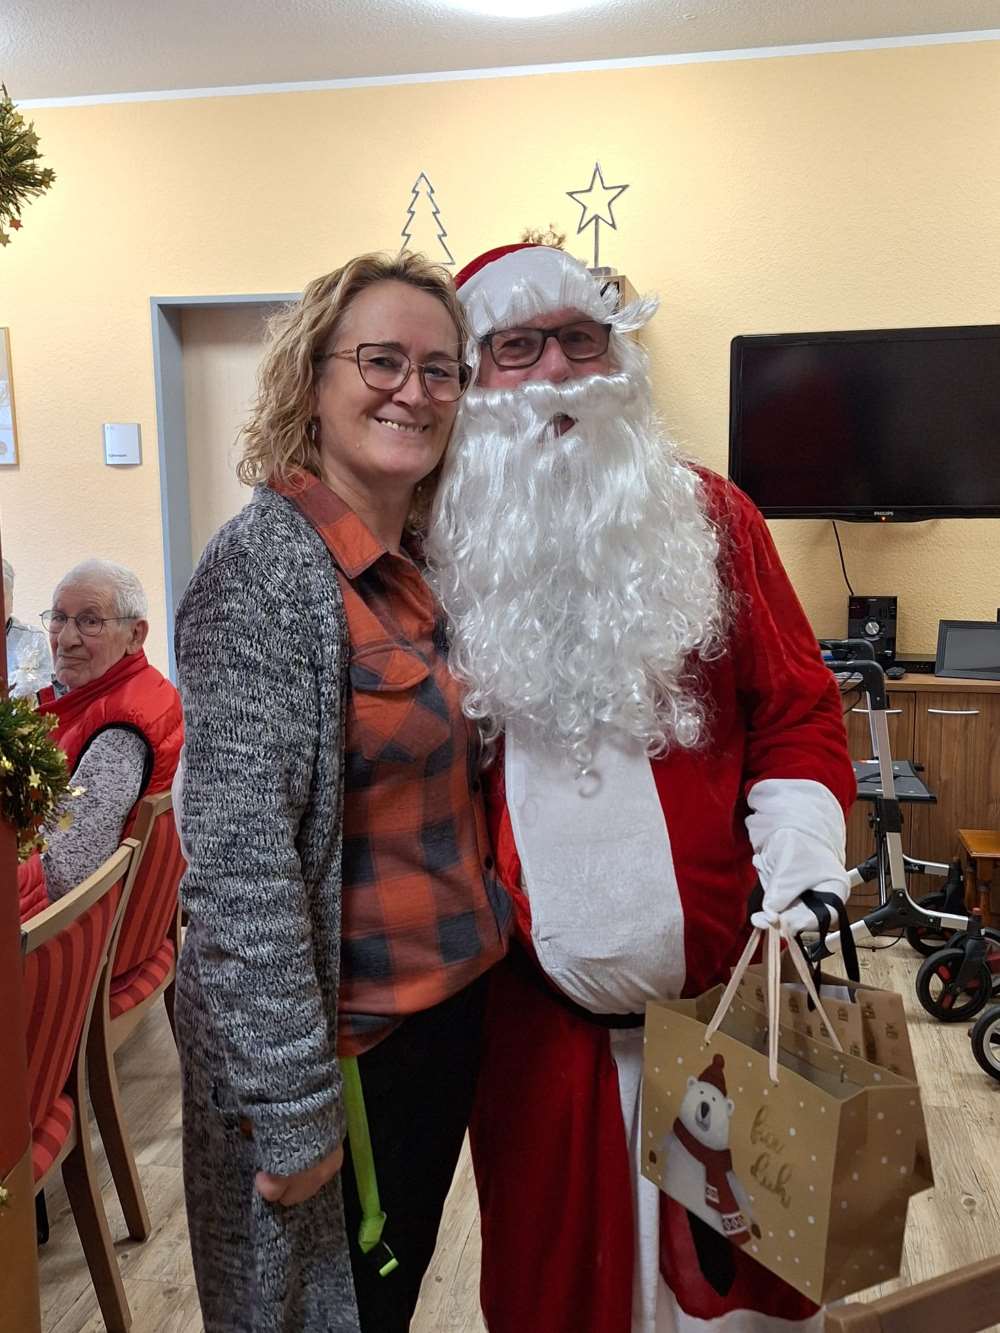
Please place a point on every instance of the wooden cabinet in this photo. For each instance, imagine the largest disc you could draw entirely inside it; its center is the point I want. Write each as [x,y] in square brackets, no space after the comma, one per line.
[957,738]
[952,728]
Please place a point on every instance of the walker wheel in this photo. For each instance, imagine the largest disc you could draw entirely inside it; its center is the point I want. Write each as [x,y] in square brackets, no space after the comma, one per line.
[985,1036]
[940,993]
[925,939]
[992,937]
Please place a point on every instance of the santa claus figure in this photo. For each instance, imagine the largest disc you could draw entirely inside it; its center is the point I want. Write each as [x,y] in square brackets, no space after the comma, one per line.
[663,734]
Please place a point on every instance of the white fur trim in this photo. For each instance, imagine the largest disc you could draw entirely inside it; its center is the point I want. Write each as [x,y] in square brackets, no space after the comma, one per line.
[530,282]
[527,283]
[670,1318]
[627,1051]
[607,922]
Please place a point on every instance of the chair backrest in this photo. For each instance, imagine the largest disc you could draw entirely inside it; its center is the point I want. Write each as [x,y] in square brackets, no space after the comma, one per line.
[965,1301]
[65,948]
[155,879]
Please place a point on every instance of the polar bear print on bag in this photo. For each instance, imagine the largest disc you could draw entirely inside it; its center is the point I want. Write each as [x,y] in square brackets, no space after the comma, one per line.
[698,1173]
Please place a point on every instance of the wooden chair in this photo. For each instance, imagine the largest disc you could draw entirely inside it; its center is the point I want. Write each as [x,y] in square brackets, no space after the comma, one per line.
[66,949]
[143,967]
[980,853]
[961,1302]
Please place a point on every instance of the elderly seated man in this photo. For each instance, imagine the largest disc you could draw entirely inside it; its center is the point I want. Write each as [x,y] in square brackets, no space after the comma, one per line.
[119,722]
[29,663]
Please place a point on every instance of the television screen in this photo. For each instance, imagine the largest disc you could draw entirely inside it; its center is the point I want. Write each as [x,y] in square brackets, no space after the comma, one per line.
[875,424]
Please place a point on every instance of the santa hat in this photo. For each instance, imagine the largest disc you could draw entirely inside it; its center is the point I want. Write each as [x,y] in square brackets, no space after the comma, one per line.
[714,1075]
[512,283]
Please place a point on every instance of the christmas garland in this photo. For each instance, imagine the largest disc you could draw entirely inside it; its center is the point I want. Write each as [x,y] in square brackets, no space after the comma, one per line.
[33,773]
[21,177]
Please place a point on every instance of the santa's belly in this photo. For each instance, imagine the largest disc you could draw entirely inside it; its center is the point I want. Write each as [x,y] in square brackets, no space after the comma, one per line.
[607,920]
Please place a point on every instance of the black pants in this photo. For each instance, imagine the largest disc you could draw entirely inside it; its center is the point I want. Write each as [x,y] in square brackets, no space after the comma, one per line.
[418,1086]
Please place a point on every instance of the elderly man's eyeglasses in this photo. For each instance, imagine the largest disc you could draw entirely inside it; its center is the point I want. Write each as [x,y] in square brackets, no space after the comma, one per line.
[88,623]
[516,349]
[385,367]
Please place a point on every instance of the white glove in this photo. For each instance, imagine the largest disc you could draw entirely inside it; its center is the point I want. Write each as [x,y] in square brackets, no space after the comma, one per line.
[798,836]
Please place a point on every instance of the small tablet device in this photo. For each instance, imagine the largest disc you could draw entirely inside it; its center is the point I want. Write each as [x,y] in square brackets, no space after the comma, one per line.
[968,649]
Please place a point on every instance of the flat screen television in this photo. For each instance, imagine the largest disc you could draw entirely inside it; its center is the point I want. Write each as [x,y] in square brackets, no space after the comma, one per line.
[874,424]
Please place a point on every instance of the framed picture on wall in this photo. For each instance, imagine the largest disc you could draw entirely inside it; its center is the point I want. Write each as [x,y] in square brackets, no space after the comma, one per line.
[8,422]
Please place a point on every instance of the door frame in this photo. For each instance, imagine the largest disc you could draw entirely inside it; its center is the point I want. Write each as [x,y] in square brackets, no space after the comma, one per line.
[171,432]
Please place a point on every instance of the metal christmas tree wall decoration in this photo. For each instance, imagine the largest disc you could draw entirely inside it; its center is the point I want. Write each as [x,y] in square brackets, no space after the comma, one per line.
[21,178]
[423,230]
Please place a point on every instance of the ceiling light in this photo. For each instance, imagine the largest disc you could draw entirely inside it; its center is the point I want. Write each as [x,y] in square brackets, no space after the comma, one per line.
[522,9]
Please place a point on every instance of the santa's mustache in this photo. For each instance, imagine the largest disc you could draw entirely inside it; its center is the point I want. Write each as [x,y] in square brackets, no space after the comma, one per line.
[533,403]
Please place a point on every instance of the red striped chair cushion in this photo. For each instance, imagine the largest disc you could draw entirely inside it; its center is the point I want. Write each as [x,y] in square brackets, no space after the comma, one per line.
[139,984]
[32,894]
[49,1135]
[58,981]
[149,915]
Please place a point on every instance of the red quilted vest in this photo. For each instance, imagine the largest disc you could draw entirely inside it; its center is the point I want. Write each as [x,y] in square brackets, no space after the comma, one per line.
[130,694]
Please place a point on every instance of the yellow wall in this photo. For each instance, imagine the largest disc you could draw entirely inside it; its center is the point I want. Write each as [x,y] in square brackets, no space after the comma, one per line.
[824,191]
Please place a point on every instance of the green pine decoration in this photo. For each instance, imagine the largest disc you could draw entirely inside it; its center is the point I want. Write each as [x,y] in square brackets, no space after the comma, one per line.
[21,178]
[33,773]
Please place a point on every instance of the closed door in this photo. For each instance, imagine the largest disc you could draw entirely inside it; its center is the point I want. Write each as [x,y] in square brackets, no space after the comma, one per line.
[957,736]
[222,350]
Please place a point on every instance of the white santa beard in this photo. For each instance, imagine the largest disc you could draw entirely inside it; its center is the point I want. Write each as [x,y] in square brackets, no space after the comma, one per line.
[578,570]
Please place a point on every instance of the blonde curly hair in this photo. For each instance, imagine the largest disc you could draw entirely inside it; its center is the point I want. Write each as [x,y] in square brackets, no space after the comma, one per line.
[276,439]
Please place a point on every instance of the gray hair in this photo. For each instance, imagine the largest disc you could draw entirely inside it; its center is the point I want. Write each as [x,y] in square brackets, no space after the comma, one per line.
[130,599]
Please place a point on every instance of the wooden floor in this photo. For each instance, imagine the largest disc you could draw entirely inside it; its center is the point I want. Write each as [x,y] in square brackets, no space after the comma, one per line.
[955,1223]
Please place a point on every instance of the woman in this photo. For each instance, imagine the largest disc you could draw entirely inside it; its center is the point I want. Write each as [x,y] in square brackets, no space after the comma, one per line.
[340,891]
[117,718]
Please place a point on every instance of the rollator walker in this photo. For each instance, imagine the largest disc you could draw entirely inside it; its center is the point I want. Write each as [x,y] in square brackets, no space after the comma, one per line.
[955,981]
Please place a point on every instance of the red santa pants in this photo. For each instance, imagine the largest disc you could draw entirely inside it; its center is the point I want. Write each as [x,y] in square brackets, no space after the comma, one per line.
[555,1182]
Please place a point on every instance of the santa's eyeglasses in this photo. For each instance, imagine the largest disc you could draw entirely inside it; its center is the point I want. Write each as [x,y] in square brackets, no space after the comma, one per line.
[515,349]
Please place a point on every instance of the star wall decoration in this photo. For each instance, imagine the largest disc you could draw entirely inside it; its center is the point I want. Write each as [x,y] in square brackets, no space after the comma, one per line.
[595,207]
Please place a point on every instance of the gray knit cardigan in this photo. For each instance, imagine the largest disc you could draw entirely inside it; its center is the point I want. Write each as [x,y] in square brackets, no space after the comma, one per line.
[262,649]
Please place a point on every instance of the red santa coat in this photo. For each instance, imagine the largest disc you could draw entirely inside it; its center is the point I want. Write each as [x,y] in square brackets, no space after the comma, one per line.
[553,1164]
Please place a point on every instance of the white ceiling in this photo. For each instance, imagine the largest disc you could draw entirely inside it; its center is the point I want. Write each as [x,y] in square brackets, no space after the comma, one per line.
[65,48]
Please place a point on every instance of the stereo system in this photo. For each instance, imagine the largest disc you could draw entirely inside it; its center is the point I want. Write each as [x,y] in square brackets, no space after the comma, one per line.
[874,619]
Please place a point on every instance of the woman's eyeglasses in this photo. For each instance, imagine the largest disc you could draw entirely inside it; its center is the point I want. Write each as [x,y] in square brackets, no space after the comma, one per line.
[386,368]
[516,349]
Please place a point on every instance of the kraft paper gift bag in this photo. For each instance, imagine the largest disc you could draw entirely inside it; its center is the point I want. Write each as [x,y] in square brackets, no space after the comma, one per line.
[800,1153]
[868,1021]
[883,1022]
[798,1014]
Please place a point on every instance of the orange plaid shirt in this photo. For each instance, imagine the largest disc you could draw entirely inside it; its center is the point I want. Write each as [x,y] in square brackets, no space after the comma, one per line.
[423,913]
